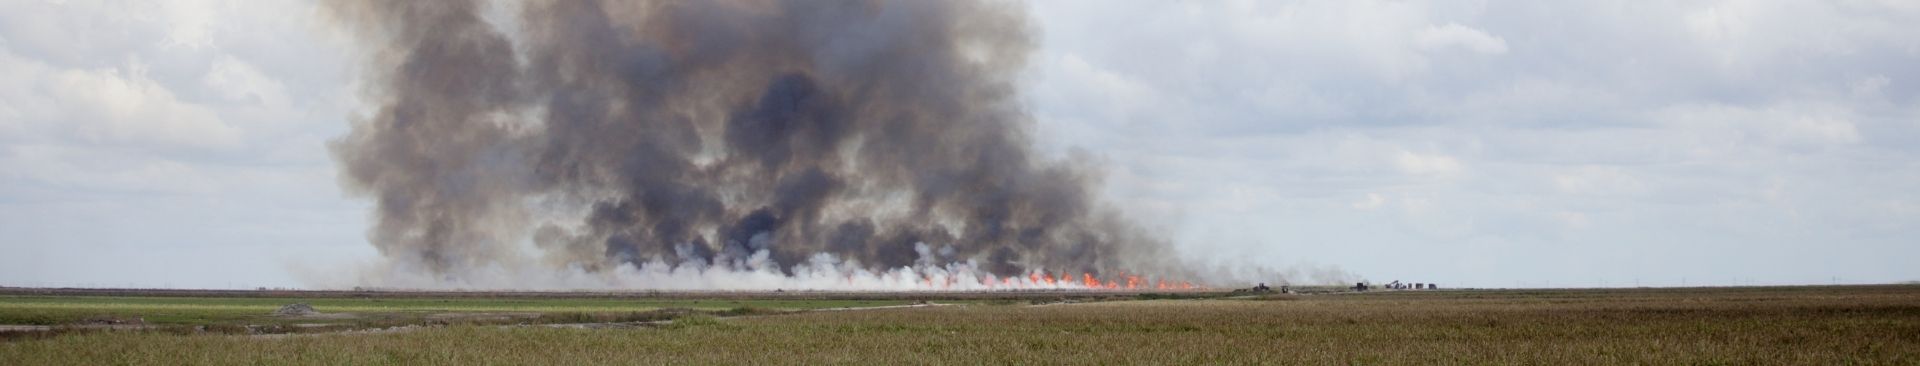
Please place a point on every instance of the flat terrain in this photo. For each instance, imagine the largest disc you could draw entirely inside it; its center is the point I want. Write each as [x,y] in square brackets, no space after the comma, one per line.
[58,310]
[1782,325]
[167,309]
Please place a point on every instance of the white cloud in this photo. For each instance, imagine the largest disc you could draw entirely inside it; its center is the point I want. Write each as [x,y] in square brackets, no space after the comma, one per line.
[191,23]
[1426,164]
[1455,35]
[170,129]
[123,105]
[1718,23]
[1761,125]
[240,81]
[1737,129]
[1373,201]
[1598,180]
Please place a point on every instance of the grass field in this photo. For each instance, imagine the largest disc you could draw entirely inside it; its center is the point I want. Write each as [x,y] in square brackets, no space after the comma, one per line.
[1791,325]
[55,310]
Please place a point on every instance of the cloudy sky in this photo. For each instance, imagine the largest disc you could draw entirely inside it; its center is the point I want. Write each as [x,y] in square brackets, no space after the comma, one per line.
[182,143]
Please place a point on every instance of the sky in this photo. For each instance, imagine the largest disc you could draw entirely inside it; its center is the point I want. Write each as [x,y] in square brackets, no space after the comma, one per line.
[1488,144]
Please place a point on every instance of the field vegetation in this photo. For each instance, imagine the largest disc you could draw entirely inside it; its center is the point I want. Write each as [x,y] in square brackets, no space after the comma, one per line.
[1793,325]
[59,310]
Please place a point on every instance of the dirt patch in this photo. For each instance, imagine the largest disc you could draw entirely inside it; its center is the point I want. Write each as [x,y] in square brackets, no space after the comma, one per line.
[304,311]
[296,309]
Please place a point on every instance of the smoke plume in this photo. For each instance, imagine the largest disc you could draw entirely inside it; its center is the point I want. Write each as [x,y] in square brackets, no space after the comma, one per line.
[712,144]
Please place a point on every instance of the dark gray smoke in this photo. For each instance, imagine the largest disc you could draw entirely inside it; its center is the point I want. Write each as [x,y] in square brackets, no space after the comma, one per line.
[621,132]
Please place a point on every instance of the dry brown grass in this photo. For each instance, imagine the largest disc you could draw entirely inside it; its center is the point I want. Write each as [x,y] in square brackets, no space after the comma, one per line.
[1849,325]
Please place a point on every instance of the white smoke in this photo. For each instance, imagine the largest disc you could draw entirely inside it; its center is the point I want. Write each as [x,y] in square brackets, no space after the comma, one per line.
[932,271]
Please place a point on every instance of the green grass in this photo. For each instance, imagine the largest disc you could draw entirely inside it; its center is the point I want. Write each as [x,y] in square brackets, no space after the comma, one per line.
[54,310]
[1827,325]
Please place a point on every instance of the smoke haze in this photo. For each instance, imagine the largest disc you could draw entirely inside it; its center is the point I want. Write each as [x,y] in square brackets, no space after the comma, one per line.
[718,144]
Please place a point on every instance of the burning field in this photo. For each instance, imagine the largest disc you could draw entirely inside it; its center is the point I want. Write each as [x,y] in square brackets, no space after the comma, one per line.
[747,182]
